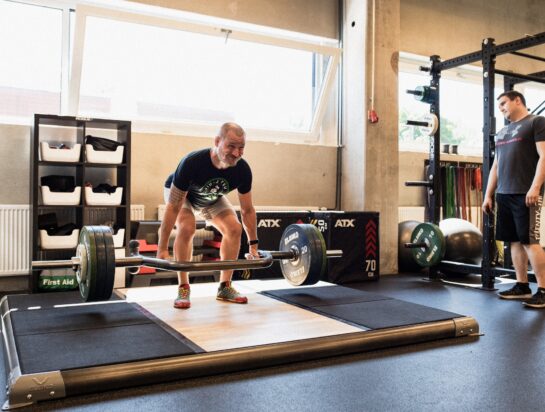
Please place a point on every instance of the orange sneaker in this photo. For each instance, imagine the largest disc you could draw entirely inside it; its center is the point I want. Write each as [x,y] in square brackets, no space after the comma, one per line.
[228,293]
[182,301]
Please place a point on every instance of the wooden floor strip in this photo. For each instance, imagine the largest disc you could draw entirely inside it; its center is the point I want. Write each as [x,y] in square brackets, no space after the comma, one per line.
[215,325]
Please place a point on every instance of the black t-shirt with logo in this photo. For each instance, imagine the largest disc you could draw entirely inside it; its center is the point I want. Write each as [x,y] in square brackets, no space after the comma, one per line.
[516,154]
[204,183]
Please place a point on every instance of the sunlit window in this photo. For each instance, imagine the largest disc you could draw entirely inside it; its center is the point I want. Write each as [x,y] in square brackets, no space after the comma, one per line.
[149,72]
[534,93]
[30,65]
[461,110]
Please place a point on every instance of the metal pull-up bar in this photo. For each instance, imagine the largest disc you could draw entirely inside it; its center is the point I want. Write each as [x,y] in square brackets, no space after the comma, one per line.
[497,50]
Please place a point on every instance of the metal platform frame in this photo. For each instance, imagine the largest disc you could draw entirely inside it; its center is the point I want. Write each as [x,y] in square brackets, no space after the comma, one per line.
[487,56]
[27,389]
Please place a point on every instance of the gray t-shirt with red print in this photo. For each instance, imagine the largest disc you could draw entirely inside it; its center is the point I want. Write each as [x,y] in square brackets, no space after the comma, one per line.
[516,154]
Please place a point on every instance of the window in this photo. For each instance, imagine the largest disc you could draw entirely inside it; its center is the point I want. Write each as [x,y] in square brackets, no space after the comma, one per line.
[31,66]
[165,70]
[174,73]
[461,107]
[534,93]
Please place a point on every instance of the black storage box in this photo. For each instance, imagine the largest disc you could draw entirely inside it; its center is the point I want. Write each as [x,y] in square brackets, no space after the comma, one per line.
[270,226]
[357,235]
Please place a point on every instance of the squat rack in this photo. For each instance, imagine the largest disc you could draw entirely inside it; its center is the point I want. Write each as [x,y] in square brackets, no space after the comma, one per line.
[487,55]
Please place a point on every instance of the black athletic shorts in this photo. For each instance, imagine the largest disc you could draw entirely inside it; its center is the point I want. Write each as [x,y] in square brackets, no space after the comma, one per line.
[516,222]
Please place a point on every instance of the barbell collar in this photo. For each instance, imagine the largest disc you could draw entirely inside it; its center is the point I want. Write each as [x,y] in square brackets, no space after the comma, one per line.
[415,92]
[415,245]
[55,264]
[418,123]
[413,183]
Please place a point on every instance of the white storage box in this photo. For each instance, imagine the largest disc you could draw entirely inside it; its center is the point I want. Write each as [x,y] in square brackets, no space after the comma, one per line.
[100,156]
[61,198]
[60,155]
[59,242]
[103,199]
[119,237]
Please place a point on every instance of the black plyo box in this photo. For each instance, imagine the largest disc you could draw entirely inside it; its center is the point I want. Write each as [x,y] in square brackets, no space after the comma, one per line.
[357,235]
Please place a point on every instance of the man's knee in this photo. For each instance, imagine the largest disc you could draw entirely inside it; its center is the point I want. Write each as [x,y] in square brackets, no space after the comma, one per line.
[185,226]
[233,230]
[185,232]
[535,249]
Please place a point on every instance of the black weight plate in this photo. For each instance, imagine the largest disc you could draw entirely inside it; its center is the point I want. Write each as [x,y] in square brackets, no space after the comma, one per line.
[108,276]
[96,287]
[308,242]
[105,275]
[100,258]
[319,257]
[433,252]
[97,281]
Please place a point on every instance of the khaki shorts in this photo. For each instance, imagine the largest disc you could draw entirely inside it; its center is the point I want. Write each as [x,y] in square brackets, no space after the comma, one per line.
[208,212]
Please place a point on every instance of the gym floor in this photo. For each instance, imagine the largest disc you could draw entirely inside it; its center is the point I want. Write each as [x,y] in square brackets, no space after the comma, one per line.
[500,370]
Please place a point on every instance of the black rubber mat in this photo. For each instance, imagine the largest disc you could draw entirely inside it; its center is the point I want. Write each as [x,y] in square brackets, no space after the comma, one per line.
[46,300]
[323,296]
[64,338]
[360,308]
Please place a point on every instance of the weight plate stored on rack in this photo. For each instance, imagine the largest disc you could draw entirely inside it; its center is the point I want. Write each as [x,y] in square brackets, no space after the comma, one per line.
[433,244]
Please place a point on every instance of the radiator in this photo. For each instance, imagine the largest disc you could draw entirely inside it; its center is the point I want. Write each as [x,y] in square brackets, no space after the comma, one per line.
[14,239]
[106,215]
[137,212]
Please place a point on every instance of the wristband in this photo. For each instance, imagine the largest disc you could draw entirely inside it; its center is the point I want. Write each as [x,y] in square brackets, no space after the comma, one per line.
[253,242]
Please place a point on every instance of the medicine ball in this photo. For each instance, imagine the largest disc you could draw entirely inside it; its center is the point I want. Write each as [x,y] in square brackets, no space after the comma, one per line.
[464,241]
[405,260]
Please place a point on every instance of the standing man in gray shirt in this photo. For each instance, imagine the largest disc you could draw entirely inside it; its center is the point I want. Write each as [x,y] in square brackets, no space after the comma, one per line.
[516,176]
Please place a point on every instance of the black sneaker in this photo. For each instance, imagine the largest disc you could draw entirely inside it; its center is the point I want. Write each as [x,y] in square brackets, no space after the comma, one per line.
[536,301]
[519,291]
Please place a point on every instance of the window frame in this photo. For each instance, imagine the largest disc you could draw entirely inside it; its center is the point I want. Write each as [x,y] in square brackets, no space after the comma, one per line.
[66,7]
[220,29]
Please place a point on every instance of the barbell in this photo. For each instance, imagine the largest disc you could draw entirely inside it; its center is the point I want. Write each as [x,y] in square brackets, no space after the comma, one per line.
[302,256]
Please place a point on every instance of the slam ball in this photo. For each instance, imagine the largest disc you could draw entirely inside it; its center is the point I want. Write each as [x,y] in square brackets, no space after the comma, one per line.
[464,241]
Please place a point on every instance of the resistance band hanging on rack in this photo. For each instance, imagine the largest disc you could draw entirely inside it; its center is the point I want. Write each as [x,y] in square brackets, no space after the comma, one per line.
[451,194]
[462,191]
[460,187]
[467,183]
[478,183]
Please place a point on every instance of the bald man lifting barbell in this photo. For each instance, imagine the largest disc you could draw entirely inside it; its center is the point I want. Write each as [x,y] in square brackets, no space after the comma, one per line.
[198,187]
